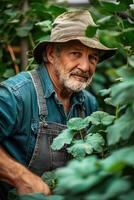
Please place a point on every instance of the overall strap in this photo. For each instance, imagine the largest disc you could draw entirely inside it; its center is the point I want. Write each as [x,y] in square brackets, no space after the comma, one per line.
[40,95]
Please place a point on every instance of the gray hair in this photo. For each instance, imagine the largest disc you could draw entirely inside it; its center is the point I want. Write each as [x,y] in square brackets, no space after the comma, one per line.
[57,48]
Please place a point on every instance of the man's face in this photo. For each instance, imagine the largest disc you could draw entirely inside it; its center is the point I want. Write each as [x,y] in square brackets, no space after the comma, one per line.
[75,65]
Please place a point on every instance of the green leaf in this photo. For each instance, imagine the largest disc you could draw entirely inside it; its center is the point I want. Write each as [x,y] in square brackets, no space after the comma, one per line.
[65,137]
[100,117]
[112,189]
[56,10]
[128,36]
[8,73]
[24,30]
[128,2]
[105,92]
[45,25]
[117,161]
[12,195]
[122,128]
[79,149]
[109,101]
[128,196]
[113,36]
[113,6]
[126,73]
[77,124]
[91,31]
[131,61]
[96,141]
[104,19]
[77,183]
[123,93]
[50,178]
[11,13]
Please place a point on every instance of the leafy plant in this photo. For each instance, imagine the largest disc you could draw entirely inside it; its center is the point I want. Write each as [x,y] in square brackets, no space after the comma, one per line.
[81,138]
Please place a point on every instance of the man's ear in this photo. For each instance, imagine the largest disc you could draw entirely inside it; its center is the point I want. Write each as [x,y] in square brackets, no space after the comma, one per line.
[50,53]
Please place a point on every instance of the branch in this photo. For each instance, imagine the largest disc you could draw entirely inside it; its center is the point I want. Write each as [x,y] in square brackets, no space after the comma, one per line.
[16,67]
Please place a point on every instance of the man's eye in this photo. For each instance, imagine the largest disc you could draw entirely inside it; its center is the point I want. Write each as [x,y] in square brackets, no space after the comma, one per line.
[76,54]
[94,57]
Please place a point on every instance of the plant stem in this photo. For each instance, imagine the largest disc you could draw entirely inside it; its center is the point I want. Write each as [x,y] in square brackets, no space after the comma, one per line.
[81,135]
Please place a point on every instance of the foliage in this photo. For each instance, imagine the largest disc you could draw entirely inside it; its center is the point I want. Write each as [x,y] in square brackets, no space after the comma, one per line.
[102,144]
[81,138]
[31,24]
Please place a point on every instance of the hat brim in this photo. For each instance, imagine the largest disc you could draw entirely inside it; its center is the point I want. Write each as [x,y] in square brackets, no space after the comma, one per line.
[105,52]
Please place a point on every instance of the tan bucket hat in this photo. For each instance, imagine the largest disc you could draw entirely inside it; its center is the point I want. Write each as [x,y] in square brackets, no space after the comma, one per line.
[72,26]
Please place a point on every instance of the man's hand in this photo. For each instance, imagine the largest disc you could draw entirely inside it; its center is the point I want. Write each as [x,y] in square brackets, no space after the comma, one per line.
[19,176]
[30,183]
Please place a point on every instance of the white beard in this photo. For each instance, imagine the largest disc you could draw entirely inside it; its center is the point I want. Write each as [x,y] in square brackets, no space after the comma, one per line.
[69,81]
[73,84]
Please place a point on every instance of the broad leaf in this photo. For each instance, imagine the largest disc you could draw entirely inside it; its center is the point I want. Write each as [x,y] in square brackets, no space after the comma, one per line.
[91,31]
[128,196]
[77,124]
[100,117]
[110,189]
[8,73]
[113,6]
[123,93]
[79,149]
[131,61]
[119,159]
[12,195]
[45,25]
[65,137]
[24,30]
[56,10]
[112,36]
[96,141]
[122,128]
[105,92]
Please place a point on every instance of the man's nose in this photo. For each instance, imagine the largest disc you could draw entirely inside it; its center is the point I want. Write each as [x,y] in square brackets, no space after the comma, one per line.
[84,64]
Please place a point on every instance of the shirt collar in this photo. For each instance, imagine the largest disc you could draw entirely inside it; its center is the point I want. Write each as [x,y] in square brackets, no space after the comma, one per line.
[77,97]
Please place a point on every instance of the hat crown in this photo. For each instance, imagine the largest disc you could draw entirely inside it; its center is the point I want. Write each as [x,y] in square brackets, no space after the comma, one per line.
[71,24]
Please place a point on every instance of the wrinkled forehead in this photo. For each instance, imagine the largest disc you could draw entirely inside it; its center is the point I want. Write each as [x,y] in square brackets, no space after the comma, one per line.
[76,45]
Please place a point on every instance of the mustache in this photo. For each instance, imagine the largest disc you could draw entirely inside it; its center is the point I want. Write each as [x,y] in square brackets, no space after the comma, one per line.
[80,73]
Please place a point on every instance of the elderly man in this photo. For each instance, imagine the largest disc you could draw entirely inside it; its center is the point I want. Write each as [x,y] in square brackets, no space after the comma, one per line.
[35,105]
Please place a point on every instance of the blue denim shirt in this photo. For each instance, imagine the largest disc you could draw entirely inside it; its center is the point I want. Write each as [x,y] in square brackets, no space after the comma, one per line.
[19,112]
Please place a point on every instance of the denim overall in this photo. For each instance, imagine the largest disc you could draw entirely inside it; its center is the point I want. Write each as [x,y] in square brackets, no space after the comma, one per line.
[44,158]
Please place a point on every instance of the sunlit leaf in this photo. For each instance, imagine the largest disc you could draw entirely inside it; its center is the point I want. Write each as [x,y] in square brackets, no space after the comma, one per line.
[100,117]
[77,124]
[79,149]
[131,61]
[65,137]
[96,141]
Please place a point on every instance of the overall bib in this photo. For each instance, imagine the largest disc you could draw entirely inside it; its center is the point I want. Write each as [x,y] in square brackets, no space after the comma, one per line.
[44,158]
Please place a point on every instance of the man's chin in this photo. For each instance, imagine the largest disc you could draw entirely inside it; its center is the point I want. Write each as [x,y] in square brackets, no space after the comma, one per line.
[76,87]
